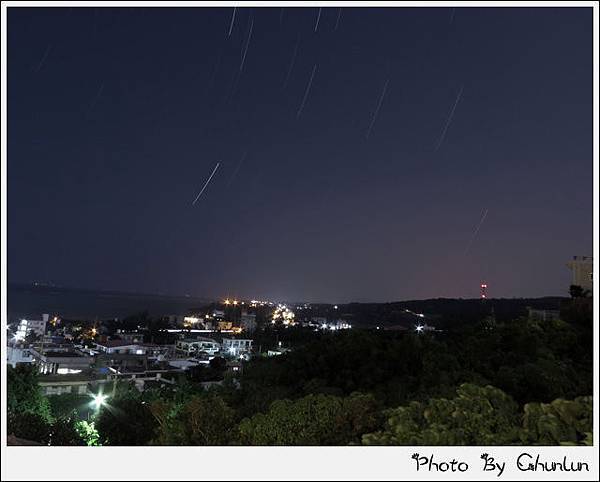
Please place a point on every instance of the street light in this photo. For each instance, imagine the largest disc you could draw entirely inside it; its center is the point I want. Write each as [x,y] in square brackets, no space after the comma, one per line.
[99,400]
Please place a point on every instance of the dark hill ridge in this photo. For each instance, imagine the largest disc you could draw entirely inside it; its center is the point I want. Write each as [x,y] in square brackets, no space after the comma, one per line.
[445,311]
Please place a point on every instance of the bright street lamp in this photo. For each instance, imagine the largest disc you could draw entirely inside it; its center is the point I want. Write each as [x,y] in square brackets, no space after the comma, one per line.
[99,400]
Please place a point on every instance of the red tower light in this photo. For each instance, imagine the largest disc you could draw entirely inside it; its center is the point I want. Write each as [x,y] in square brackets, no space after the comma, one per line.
[483,291]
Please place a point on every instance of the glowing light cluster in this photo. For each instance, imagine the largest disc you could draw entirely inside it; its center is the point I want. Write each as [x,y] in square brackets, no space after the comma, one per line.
[336,326]
[283,314]
[190,321]
[421,328]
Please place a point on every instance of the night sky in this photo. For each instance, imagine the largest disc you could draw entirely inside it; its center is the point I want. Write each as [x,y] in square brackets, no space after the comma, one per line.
[417,121]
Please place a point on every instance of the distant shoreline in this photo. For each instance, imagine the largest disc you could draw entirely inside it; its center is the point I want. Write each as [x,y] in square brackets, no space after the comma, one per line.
[30,300]
[41,286]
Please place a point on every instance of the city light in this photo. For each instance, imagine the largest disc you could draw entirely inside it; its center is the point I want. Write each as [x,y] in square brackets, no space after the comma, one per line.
[284,314]
[419,328]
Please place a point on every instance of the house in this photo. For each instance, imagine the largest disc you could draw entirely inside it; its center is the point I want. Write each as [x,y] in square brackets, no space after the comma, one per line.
[278,351]
[120,347]
[224,325]
[121,355]
[142,378]
[236,346]
[60,359]
[543,315]
[17,354]
[234,367]
[76,383]
[248,322]
[135,359]
[27,327]
[183,364]
[189,346]
[158,352]
[130,336]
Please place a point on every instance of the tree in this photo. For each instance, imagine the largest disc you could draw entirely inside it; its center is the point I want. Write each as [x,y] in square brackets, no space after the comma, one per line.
[88,433]
[215,371]
[64,431]
[312,420]
[476,416]
[564,422]
[65,404]
[34,427]
[31,338]
[30,426]
[24,395]
[201,420]
[125,420]
[576,291]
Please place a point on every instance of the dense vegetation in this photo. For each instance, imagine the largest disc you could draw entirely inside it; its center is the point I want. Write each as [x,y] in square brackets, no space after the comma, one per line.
[490,382]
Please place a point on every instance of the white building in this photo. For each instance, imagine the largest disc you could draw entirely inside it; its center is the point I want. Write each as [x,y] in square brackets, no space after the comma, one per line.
[56,386]
[120,347]
[543,315]
[278,351]
[190,346]
[60,359]
[16,355]
[583,271]
[130,336]
[236,346]
[26,327]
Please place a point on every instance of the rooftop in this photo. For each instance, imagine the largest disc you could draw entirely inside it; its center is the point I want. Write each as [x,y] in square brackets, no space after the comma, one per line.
[64,354]
[116,343]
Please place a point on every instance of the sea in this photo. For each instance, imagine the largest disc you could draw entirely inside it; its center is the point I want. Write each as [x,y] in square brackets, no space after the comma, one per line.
[33,300]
